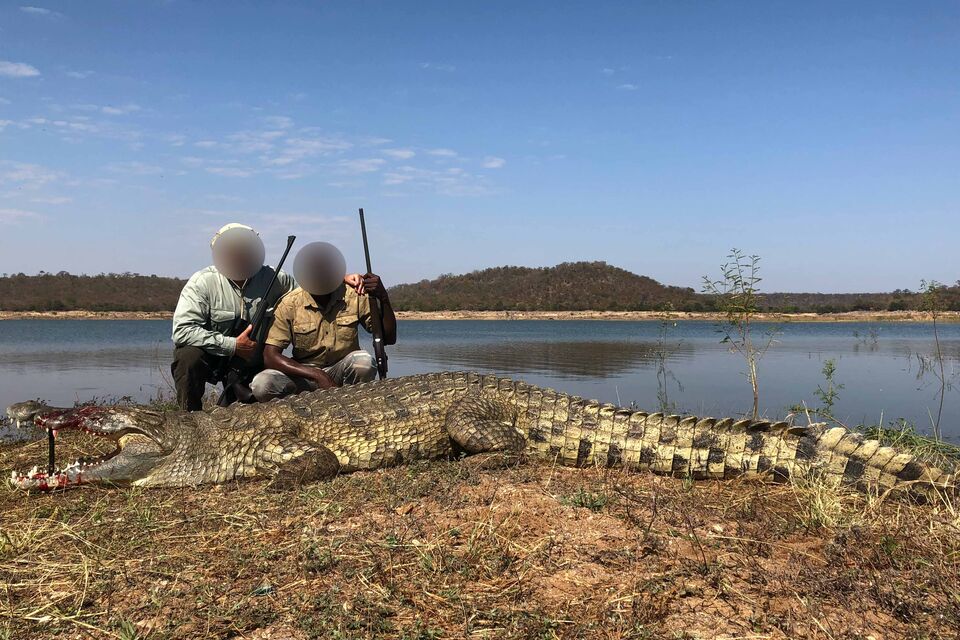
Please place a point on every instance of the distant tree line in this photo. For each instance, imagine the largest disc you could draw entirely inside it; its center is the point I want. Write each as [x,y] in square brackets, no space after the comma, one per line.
[571,286]
[63,291]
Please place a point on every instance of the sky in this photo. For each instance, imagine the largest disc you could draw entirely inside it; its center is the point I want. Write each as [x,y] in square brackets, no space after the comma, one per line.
[655,136]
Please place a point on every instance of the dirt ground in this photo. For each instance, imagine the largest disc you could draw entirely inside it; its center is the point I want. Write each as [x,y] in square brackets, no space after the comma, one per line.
[474,549]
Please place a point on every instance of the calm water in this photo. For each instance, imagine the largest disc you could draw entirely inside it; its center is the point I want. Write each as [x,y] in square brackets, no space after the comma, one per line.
[881,368]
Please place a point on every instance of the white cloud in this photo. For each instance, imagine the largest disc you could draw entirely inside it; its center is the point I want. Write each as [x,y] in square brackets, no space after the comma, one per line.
[121,110]
[252,141]
[302,147]
[278,122]
[607,71]
[493,162]
[40,11]
[26,176]
[451,182]
[443,153]
[287,220]
[79,75]
[219,197]
[627,87]
[4,101]
[110,110]
[395,178]
[79,124]
[448,68]
[277,161]
[136,168]
[5,123]
[361,165]
[15,215]
[399,154]
[17,69]
[230,172]
[205,144]
[51,200]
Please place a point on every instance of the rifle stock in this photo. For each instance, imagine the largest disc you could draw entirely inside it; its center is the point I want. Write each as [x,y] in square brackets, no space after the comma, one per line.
[379,351]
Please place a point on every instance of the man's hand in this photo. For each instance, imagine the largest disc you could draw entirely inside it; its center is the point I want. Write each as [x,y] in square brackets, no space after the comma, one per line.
[355,281]
[245,346]
[373,286]
[323,379]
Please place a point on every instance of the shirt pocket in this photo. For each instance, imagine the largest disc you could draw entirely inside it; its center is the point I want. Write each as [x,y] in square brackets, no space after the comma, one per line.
[346,331]
[222,319]
[306,336]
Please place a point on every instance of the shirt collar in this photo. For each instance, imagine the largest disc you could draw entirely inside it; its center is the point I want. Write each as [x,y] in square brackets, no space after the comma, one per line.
[335,298]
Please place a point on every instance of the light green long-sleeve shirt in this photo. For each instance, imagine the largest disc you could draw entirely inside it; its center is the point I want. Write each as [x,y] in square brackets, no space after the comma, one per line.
[210,304]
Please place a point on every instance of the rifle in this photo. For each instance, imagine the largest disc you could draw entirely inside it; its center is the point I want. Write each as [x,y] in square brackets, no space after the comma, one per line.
[379,353]
[234,372]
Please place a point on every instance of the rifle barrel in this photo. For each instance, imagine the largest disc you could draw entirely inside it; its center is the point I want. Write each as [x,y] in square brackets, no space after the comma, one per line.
[262,310]
[366,246]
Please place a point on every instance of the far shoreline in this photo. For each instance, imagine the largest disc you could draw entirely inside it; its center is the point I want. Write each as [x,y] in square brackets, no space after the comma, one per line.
[652,316]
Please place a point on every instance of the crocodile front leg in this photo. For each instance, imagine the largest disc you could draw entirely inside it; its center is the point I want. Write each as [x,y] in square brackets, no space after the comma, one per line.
[311,463]
[480,425]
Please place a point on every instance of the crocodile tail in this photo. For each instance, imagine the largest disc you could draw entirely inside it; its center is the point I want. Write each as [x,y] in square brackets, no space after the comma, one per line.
[575,432]
[846,457]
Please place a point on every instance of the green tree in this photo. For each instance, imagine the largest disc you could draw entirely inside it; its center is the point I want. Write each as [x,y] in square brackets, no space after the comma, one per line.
[736,298]
[931,301]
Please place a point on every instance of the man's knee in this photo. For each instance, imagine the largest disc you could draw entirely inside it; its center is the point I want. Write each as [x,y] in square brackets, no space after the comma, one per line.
[360,367]
[187,359]
[270,384]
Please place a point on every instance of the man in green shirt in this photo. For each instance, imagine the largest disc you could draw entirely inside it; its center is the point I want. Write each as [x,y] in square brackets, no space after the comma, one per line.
[211,304]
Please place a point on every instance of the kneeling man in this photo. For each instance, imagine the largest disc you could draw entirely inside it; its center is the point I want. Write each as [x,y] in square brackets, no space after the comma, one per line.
[320,319]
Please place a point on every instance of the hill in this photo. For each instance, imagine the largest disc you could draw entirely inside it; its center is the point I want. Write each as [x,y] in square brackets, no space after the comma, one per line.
[571,286]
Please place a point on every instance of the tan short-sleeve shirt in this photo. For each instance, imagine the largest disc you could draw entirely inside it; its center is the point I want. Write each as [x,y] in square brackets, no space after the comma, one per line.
[320,336]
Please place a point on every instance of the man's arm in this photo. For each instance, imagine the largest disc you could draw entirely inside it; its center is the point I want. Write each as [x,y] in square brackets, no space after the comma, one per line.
[273,358]
[279,338]
[190,320]
[352,280]
[374,287]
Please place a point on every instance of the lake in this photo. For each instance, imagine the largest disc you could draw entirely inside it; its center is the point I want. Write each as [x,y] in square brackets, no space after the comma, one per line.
[884,367]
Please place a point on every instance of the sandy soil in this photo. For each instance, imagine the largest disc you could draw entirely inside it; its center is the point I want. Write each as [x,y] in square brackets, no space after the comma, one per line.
[474,549]
[853,316]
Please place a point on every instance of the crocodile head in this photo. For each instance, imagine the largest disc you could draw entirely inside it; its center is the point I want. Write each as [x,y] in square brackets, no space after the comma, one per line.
[139,435]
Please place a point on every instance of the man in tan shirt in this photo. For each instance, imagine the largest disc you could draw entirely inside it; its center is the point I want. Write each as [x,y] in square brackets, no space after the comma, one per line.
[323,330]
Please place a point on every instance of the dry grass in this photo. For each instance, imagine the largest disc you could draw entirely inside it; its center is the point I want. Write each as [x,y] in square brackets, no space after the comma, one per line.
[456,549]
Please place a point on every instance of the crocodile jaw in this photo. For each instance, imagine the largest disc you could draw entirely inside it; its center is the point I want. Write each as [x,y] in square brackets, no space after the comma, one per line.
[137,449]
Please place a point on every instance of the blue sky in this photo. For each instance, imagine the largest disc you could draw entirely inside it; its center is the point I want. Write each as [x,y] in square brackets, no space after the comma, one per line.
[823,136]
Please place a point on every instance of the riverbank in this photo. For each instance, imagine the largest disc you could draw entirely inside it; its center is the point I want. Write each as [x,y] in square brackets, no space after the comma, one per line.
[850,316]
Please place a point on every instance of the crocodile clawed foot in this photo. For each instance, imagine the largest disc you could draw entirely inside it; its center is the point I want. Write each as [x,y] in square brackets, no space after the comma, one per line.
[310,466]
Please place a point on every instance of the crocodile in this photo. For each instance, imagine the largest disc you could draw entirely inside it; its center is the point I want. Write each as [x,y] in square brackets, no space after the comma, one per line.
[316,435]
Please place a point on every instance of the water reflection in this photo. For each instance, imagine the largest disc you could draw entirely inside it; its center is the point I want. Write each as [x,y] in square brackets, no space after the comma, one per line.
[67,360]
[561,359]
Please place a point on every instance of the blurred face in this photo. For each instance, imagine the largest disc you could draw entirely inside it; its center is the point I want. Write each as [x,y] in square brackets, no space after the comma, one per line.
[319,268]
[238,253]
